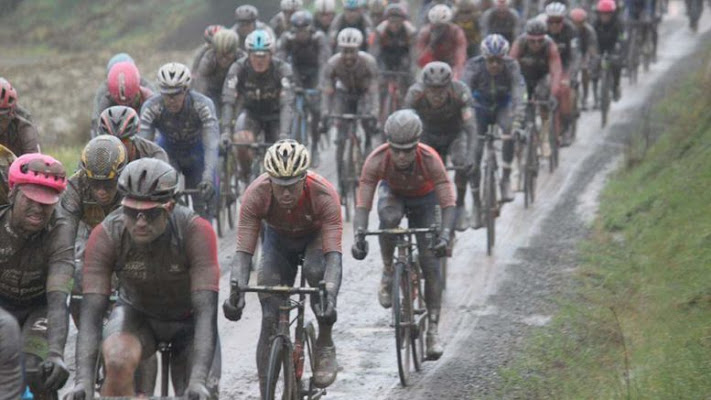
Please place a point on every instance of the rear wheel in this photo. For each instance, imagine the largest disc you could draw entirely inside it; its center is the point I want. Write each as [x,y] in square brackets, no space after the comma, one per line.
[605,90]
[530,168]
[420,315]
[281,382]
[402,319]
[490,206]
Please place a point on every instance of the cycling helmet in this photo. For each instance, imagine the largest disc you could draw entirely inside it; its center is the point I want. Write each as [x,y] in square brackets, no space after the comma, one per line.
[325,6]
[439,14]
[377,6]
[259,40]
[352,4]
[437,73]
[555,10]
[103,158]
[403,129]
[8,97]
[606,6]
[226,41]
[119,121]
[291,5]
[117,58]
[535,27]
[301,19]
[246,13]
[210,32]
[466,5]
[395,11]
[7,157]
[286,161]
[578,15]
[173,78]
[494,45]
[350,38]
[45,177]
[124,82]
[147,183]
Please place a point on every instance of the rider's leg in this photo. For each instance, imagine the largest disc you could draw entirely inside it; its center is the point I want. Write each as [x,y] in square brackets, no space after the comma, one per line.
[10,359]
[246,130]
[35,348]
[475,178]
[457,150]
[194,167]
[504,120]
[341,105]
[595,77]
[182,336]
[365,106]
[543,91]
[313,104]
[586,85]
[390,212]
[79,247]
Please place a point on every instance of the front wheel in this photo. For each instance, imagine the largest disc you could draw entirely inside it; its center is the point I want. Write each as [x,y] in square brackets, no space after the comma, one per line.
[490,204]
[281,381]
[402,319]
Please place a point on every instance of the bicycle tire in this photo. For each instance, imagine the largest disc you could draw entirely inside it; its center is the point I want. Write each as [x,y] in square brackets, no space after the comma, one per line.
[530,170]
[281,382]
[553,141]
[605,90]
[420,326]
[346,178]
[491,206]
[402,319]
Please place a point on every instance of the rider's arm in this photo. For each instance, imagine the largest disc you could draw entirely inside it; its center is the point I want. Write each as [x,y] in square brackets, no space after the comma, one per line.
[422,47]
[286,100]
[201,251]
[515,51]
[255,203]
[150,112]
[468,120]
[373,87]
[324,51]
[443,187]
[328,204]
[460,52]
[229,97]
[210,136]
[59,284]
[282,52]
[370,175]
[518,91]
[205,68]
[71,203]
[327,88]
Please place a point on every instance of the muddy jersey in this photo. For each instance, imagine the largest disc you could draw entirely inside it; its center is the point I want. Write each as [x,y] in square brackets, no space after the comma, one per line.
[143,148]
[505,23]
[80,205]
[209,77]
[446,119]
[447,44]
[394,50]
[279,24]
[504,89]
[536,65]
[32,266]
[103,100]
[566,40]
[587,40]
[306,58]
[363,24]
[20,136]
[469,23]
[608,35]
[427,174]
[156,279]
[318,209]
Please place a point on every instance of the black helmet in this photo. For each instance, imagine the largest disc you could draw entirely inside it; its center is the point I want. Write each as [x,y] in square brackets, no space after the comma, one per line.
[403,129]
[536,27]
[301,19]
[119,121]
[148,179]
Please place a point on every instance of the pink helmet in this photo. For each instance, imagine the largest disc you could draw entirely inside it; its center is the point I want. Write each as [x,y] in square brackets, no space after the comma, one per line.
[124,82]
[578,15]
[606,6]
[8,97]
[46,175]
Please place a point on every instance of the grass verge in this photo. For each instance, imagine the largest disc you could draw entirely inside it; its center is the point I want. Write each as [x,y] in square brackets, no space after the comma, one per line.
[637,322]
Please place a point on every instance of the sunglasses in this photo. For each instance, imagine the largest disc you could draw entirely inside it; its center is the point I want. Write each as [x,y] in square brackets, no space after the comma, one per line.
[149,215]
[536,41]
[555,21]
[495,60]
[105,184]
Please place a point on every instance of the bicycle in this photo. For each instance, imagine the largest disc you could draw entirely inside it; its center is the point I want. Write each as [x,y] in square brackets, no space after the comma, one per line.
[409,311]
[527,152]
[392,99]
[489,202]
[352,156]
[302,118]
[186,198]
[287,359]
[606,86]
[641,46]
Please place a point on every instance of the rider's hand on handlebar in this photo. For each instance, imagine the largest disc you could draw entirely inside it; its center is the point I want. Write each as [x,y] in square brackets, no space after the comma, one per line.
[330,312]
[197,391]
[233,306]
[226,139]
[360,248]
[206,189]
[441,244]
[78,392]
[56,373]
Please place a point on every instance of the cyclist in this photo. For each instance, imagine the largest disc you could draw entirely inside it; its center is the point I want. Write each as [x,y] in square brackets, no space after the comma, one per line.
[258,91]
[10,356]
[299,213]
[36,268]
[208,34]
[6,159]
[610,39]
[643,11]
[539,59]
[353,16]
[466,15]
[565,35]
[212,69]
[307,50]
[394,48]
[501,19]
[350,85]
[324,12]
[123,122]
[188,131]
[498,91]
[165,258]
[376,11]
[17,133]
[411,180]
[247,22]
[445,107]
[280,23]
[587,40]
[442,40]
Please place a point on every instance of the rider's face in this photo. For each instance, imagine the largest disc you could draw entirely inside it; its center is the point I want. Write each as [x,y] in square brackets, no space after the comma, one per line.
[352,16]
[226,59]
[350,56]
[260,61]
[145,226]
[174,101]
[436,95]
[326,18]
[536,43]
[555,25]
[395,24]
[605,17]
[103,191]
[494,65]
[403,158]
[287,196]
[29,215]
[245,28]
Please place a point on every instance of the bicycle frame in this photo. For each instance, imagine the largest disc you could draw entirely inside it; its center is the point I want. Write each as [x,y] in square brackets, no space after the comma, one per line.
[300,129]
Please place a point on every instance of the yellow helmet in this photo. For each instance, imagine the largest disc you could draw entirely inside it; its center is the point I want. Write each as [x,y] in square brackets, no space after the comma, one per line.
[286,161]
[104,157]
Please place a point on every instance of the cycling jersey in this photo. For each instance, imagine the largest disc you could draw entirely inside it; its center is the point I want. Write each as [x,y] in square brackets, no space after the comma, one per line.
[609,35]
[503,22]
[491,92]
[566,40]
[394,51]
[306,58]
[20,137]
[445,42]
[141,148]
[428,175]
[318,210]
[80,204]
[444,120]
[358,81]
[103,100]
[279,24]
[536,65]
[363,24]
[209,77]
[469,22]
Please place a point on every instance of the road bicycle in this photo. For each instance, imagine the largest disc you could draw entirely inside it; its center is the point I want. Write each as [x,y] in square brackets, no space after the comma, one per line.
[303,119]
[606,86]
[489,201]
[527,151]
[392,98]
[290,361]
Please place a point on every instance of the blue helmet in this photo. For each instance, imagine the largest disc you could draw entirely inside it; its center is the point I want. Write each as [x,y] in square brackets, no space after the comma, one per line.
[117,58]
[494,46]
[352,4]
[259,40]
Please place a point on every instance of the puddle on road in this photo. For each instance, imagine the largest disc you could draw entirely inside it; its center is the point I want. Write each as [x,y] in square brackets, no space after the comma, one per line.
[536,320]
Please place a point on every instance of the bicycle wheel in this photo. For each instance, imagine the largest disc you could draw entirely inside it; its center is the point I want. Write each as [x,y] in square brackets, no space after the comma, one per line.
[402,319]
[281,382]
[605,90]
[633,62]
[492,206]
[530,168]
[231,189]
[553,141]
[420,313]
[346,179]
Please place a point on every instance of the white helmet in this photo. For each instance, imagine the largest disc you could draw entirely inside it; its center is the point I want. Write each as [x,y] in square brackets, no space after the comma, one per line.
[439,14]
[325,6]
[350,37]
[555,10]
[173,78]
[286,161]
[291,5]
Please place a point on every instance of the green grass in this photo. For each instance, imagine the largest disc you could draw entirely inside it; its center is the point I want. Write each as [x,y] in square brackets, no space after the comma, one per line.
[637,324]
[68,155]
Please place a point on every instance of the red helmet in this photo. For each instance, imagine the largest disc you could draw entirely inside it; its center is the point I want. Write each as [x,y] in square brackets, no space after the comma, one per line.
[210,31]
[8,97]
[578,15]
[606,6]
[124,83]
[41,171]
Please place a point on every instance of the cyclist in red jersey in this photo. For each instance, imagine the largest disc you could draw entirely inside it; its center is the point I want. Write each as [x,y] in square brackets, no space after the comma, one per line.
[442,40]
